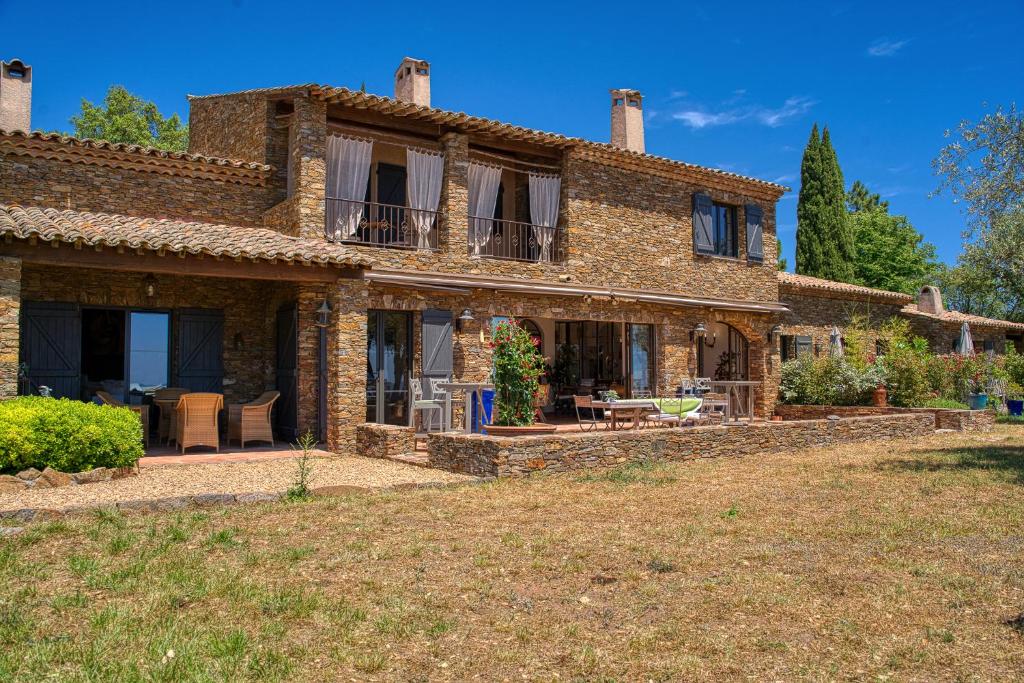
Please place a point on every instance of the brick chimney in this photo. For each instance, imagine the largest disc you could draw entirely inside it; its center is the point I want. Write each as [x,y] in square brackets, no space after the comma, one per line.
[628,119]
[930,300]
[412,82]
[15,96]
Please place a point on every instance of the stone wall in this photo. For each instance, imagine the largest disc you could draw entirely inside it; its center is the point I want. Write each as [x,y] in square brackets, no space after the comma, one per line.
[943,334]
[10,309]
[813,314]
[384,441]
[959,420]
[58,175]
[515,457]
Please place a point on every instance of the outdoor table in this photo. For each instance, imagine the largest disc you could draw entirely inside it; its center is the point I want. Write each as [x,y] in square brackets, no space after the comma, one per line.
[739,398]
[626,410]
[169,407]
[469,390]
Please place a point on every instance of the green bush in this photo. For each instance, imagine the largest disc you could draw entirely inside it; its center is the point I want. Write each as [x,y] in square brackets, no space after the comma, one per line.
[828,381]
[66,435]
[944,403]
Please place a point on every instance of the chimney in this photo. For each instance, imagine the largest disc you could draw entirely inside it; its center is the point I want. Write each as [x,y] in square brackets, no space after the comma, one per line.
[15,96]
[412,82]
[628,119]
[930,300]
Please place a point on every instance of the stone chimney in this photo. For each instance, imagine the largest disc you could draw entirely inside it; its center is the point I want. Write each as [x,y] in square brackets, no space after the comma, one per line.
[930,300]
[412,82]
[15,96]
[628,119]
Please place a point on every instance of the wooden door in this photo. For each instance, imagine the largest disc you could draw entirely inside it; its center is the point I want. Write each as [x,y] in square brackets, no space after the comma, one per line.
[287,372]
[200,350]
[51,348]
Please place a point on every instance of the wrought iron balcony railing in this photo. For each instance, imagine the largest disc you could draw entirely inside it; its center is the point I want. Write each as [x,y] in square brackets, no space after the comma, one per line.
[381,225]
[515,241]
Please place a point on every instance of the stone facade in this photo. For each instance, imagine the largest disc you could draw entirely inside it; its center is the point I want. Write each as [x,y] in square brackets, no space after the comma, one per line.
[813,313]
[384,441]
[10,310]
[957,420]
[517,457]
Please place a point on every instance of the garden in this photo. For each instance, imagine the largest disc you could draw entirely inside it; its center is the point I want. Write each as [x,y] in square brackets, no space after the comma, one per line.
[893,365]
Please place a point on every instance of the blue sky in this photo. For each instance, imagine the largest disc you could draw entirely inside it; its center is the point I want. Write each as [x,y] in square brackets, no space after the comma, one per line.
[732,85]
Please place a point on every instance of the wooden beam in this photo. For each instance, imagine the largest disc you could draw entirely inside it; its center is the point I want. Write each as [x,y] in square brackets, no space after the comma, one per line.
[149,262]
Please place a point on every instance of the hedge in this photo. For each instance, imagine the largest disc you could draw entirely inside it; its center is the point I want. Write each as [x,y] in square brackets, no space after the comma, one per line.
[66,435]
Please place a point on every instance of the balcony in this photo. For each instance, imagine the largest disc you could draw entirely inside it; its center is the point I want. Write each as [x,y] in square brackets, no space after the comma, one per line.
[381,225]
[515,241]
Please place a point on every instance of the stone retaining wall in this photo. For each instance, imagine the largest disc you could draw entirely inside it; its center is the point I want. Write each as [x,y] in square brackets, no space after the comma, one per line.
[945,418]
[383,441]
[515,457]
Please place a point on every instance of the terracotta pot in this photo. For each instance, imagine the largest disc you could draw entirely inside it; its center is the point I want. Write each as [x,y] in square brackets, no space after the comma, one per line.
[532,430]
[880,399]
[776,418]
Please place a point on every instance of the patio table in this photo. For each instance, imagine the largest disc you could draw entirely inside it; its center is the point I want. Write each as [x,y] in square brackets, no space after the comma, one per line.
[739,397]
[627,410]
[469,390]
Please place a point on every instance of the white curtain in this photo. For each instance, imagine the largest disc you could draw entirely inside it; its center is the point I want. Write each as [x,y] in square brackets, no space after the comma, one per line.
[424,171]
[484,182]
[348,170]
[544,191]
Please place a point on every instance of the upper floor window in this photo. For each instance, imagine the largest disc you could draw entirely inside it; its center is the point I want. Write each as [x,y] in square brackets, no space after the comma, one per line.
[724,230]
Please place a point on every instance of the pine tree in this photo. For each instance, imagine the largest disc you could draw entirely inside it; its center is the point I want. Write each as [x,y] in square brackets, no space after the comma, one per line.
[860,198]
[824,240]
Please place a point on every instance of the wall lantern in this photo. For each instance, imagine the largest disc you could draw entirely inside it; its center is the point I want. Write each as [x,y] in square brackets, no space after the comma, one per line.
[149,286]
[465,317]
[323,314]
[698,332]
[773,334]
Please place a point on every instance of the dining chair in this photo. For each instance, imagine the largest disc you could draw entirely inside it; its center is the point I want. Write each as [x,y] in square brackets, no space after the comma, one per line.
[142,411]
[197,420]
[591,420]
[251,421]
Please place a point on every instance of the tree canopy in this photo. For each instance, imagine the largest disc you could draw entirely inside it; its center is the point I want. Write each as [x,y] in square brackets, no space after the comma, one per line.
[891,254]
[824,240]
[125,118]
[860,198]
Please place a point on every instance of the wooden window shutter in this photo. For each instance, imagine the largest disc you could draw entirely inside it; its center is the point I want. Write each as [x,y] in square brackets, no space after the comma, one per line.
[755,233]
[804,345]
[703,232]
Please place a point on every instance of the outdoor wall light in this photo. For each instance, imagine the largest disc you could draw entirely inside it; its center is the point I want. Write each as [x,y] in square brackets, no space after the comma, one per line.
[465,317]
[773,334]
[698,332]
[149,286]
[323,314]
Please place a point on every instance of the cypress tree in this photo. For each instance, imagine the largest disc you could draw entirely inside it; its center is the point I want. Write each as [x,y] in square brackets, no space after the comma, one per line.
[824,238]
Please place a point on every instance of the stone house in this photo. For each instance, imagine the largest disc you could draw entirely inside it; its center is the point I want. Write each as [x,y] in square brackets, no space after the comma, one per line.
[816,305]
[335,244]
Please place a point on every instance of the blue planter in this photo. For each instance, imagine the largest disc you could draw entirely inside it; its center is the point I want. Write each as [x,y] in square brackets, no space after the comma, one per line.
[977,401]
[1015,407]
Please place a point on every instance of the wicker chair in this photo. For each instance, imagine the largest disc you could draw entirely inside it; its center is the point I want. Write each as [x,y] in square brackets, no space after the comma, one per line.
[141,411]
[166,401]
[197,420]
[251,421]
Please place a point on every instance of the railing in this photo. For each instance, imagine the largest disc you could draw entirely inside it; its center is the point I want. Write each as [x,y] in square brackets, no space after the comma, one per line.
[381,225]
[515,241]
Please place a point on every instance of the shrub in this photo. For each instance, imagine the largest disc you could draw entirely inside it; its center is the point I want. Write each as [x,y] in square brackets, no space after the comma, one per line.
[828,381]
[944,403]
[518,365]
[66,435]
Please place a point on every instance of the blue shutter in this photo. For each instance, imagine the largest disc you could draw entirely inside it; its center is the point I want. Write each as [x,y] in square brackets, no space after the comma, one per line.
[755,233]
[703,233]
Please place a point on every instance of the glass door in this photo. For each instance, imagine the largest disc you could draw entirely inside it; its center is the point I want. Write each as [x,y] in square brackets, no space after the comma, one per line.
[388,366]
[641,359]
[149,352]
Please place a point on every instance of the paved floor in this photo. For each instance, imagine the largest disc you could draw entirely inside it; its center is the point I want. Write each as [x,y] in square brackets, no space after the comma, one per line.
[169,455]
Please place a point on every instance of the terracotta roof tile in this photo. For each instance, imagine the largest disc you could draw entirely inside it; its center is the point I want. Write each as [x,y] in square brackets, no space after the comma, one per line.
[174,236]
[153,152]
[958,318]
[808,282]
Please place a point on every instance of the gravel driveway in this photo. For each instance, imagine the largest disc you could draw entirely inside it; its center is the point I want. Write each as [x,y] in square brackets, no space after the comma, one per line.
[268,476]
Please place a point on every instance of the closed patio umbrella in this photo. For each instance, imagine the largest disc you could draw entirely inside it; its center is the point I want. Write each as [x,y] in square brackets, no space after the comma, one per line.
[966,344]
[835,343]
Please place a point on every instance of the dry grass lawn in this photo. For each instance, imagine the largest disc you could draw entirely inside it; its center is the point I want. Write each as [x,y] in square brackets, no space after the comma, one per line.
[871,562]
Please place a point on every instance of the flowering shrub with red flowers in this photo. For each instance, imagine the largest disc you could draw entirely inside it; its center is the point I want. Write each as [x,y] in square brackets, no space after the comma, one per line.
[518,365]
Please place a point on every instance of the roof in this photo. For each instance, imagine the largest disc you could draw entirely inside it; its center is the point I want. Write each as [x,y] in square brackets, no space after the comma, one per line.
[168,235]
[135,157]
[476,124]
[958,318]
[818,284]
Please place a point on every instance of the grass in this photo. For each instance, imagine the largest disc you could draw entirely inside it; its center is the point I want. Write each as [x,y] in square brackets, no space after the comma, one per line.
[885,562]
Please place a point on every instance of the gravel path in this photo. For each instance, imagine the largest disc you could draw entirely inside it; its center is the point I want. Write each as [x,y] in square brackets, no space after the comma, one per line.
[269,476]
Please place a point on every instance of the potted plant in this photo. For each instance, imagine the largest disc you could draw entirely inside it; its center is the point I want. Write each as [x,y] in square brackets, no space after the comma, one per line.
[977,399]
[518,365]
[1015,399]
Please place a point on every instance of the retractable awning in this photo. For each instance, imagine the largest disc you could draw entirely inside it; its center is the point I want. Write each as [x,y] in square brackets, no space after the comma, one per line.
[432,280]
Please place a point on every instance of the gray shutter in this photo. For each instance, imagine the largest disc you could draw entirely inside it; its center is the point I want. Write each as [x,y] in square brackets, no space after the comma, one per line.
[755,233]
[51,348]
[804,346]
[200,350]
[703,234]
[437,343]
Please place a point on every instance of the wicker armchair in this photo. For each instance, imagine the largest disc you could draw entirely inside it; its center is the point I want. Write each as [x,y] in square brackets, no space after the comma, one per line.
[197,420]
[251,421]
[166,401]
[141,411]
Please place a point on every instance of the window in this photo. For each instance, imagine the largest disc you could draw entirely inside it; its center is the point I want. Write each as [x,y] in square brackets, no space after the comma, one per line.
[989,345]
[723,228]
[792,347]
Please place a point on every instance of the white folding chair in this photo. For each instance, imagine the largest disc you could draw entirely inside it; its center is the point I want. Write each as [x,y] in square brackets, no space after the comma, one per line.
[427,408]
[437,393]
